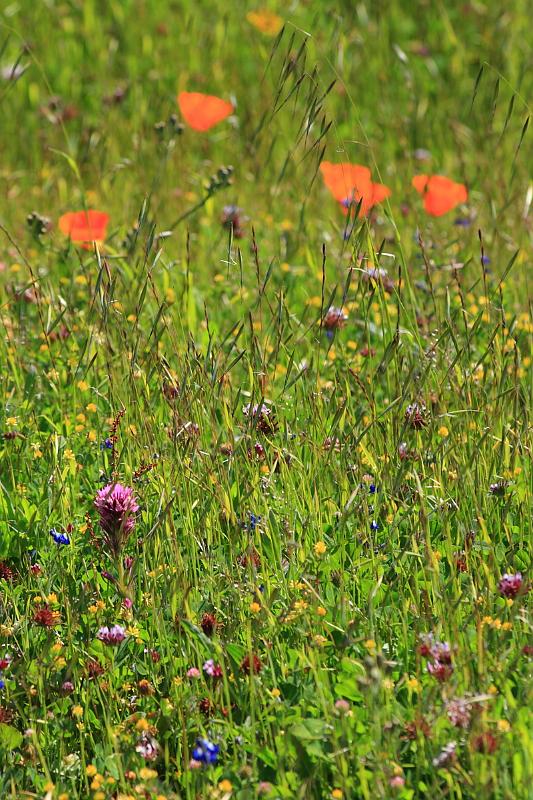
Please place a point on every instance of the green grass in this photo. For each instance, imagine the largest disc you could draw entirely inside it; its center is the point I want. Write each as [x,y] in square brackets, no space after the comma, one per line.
[167,332]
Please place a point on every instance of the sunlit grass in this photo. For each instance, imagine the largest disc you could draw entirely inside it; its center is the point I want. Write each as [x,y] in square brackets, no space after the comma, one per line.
[332,463]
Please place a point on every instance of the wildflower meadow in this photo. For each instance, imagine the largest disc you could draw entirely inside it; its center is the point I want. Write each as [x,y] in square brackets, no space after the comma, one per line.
[265,417]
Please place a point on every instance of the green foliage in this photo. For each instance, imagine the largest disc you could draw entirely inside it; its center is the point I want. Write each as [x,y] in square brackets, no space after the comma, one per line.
[308,552]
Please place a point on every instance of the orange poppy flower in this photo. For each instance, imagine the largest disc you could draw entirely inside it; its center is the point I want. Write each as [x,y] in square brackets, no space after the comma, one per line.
[202,111]
[265,21]
[440,194]
[352,183]
[84,227]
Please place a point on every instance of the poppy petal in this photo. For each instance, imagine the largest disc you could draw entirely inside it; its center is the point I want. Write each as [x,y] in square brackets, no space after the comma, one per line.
[83,227]
[345,180]
[380,192]
[202,111]
[351,184]
[420,182]
[440,194]
[265,21]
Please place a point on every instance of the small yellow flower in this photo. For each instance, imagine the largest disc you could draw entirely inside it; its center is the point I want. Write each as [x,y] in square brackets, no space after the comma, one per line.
[321,611]
[492,689]
[275,692]
[147,774]
[63,796]
[370,644]
[413,684]
[69,455]
[90,407]
[225,786]
[99,796]
[507,626]
[504,726]
[11,421]
[142,724]
[52,598]
[81,417]
[255,608]
[77,711]
[91,436]
[82,386]
[49,787]
[320,548]
[443,431]
[337,794]
[320,640]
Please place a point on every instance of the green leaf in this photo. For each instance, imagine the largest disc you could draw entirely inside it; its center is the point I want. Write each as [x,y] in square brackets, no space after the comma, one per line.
[10,738]
[309,729]
[348,689]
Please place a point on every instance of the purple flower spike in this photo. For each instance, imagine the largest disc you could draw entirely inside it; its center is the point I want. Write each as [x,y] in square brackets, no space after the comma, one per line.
[112,636]
[511,585]
[116,505]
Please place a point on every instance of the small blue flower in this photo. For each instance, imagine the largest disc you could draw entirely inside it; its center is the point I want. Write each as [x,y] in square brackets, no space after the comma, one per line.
[485,260]
[254,521]
[374,525]
[205,751]
[372,488]
[2,684]
[107,444]
[463,222]
[59,538]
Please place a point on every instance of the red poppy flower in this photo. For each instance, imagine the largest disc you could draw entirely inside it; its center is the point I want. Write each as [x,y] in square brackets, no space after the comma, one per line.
[84,227]
[352,183]
[440,194]
[202,111]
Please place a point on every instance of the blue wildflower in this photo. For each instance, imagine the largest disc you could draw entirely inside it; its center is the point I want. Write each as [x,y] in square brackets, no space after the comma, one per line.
[206,752]
[485,260]
[107,444]
[2,684]
[59,538]
[254,521]
[374,525]
[372,488]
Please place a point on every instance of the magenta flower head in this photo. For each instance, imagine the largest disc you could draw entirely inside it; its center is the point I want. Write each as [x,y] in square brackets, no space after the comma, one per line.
[112,636]
[511,585]
[117,506]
